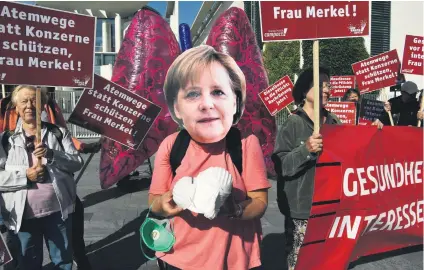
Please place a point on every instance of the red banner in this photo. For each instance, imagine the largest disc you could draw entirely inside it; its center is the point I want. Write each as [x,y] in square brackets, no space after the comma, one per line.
[413,55]
[277,96]
[367,196]
[345,111]
[45,47]
[376,72]
[295,20]
[340,84]
[115,113]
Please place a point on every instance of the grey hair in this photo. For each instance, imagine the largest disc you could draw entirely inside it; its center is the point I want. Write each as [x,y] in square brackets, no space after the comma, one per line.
[44,96]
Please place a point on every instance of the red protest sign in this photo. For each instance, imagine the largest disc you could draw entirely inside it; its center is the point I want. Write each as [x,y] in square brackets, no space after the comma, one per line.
[340,84]
[413,55]
[376,72]
[345,111]
[353,206]
[277,96]
[289,20]
[115,113]
[45,47]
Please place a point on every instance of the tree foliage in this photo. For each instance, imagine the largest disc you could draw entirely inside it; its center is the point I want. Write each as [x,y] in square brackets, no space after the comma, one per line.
[281,59]
[336,54]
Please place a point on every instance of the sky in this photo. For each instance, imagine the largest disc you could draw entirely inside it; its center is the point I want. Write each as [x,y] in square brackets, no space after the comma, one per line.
[159,6]
[187,9]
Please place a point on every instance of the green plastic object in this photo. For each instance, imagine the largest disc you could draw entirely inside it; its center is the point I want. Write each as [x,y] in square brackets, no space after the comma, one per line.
[156,235]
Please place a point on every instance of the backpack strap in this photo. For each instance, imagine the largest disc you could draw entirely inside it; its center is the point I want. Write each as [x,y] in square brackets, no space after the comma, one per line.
[233,144]
[56,132]
[179,149]
[5,141]
[50,127]
[234,148]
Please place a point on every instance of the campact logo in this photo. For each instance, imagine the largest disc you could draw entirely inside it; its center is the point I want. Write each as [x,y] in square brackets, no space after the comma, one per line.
[280,33]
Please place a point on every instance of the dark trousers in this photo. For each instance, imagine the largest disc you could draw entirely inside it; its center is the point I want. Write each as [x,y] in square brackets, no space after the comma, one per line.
[55,232]
[78,243]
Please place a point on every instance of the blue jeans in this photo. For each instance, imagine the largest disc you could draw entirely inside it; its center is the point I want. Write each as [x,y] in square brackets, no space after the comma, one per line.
[56,234]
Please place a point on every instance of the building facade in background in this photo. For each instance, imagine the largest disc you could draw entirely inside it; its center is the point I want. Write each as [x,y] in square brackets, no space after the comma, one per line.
[112,20]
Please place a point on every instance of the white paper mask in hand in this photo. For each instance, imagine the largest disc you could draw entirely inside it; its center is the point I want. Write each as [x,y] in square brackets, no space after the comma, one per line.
[183,192]
[214,185]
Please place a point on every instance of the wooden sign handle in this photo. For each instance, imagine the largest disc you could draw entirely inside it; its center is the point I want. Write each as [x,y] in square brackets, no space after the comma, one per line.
[421,109]
[317,103]
[3,91]
[386,98]
[38,119]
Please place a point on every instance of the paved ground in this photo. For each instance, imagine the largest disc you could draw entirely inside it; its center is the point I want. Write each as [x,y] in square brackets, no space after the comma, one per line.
[112,220]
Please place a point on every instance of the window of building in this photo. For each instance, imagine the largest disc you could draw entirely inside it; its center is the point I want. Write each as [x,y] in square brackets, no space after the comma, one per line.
[380,27]
[102,59]
[109,59]
[99,37]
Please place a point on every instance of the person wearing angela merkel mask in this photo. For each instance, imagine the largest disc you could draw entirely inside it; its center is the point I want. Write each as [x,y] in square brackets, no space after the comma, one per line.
[216,209]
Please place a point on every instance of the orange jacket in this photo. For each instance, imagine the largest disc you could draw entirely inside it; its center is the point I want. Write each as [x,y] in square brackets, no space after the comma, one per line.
[9,118]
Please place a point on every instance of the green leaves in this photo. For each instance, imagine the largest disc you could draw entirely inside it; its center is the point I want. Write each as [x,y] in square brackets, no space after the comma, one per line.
[280,59]
[336,54]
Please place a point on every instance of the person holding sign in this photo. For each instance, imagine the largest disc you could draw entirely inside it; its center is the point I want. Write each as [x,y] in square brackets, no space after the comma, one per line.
[354,95]
[206,91]
[295,155]
[53,114]
[405,105]
[37,199]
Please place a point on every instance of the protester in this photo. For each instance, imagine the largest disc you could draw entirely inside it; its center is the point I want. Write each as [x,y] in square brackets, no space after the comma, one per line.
[295,154]
[37,200]
[353,95]
[405,105]
[53,114]
[205,92]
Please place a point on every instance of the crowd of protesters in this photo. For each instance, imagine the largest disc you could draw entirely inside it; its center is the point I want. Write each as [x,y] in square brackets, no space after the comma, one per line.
[215,196]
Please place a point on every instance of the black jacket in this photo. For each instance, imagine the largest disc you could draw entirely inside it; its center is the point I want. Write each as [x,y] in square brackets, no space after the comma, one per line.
[407,112]
[295,166]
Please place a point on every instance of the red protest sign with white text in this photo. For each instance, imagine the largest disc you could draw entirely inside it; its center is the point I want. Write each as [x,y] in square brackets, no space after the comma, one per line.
[367,198]
[340,84]
[295,20]
[345,111]
[45,47]
[376,72]
[114,112]
[413,55]
[277,96]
